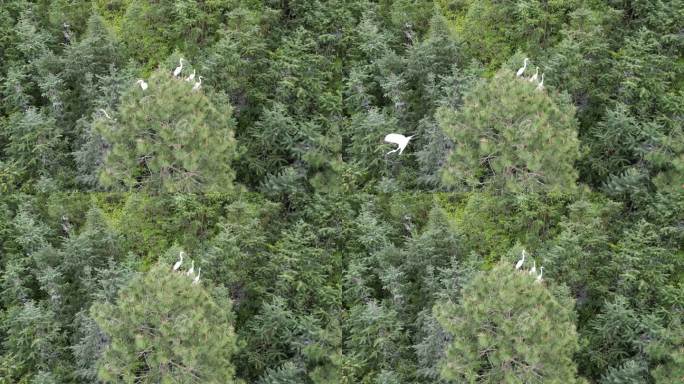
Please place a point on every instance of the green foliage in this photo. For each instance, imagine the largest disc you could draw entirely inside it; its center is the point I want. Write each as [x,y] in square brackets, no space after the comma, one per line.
[508,328]
[493,31]
[273,177]
[34,141]
[169,138]
[162,327]
[511,138]
[33,335]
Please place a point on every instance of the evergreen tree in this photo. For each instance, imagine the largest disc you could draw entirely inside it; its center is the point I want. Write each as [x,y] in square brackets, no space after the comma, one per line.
[169,138]
[508,328]
[34,142]
[163,328]
[511,138]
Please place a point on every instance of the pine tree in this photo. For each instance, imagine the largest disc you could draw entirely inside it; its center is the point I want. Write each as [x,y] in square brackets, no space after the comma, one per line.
[508,328]
[510,137]
[169,138]
[163,328]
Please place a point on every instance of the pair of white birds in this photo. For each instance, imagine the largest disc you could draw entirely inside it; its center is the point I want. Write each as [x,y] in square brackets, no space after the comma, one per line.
[521,72]
[176,72]
[179,69]
[533,270]
[190,271]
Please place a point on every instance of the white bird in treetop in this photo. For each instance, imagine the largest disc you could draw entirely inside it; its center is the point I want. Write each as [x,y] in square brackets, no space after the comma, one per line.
[534,77]
[198,84]
[142,83]
[522,69]
[520,262]
[539,277]
[540,86]
[178,69]
[179,262]
[400,140]
[533,270]
[191,270]
[105,113]
[195,281]
[191,77]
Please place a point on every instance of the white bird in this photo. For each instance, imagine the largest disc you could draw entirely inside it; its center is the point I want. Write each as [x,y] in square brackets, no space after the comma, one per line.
[400,140]
[196,280]
[533,270]
[534,77]
[522,69]
[520,262]
[198,84]
[539,277]
[191,270]
[105,113]
[142,83]
[178,69]
[191,77]
[179,262]
[540,86]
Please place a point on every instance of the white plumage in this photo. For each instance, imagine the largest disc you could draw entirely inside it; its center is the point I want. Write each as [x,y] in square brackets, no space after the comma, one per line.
[192,269]
[178,69]
[534,77]
[142,83]
[195,281]
[198,84]
[520,262]
[400,140]
[179,262]
[191,77]
[540,86]
[522,69]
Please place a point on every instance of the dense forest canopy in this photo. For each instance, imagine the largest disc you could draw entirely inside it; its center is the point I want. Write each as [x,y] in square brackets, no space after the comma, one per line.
[201,191]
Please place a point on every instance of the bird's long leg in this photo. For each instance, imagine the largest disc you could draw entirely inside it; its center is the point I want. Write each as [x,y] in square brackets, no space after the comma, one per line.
[391,151]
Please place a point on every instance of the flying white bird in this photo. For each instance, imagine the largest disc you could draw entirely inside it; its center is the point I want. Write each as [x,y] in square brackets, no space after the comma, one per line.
[179,262]
[178,69]
[534,77]
[191,77]
[520,262]
[400,140]
[522,69]
[539,277]
[540,86]
[196,280]
[191,270]
[142,83]
[533,270]
[198,84]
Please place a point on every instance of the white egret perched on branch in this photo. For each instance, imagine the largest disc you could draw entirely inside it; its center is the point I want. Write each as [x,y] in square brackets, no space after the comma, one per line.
[179,262]
[520,262]
[178,69]
[533,270]
[191,77]
[534,77]
[195,281]
[522,69]
[142,83]
[191,270]
[539,277]
[105,113]
[198,84]
[540,86]
[400,140]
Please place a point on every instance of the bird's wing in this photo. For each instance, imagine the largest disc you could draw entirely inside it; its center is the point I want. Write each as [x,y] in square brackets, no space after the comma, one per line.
[395,138]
